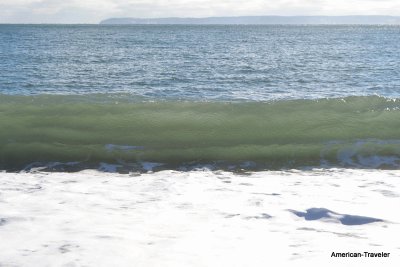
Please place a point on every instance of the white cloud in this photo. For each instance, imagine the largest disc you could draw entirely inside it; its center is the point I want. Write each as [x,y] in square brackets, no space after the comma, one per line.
[92,11]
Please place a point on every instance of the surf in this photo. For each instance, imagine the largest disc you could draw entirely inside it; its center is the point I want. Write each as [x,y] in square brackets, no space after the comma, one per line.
[86,131]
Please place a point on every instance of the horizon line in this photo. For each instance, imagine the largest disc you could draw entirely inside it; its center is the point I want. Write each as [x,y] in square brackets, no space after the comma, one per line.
[200,18]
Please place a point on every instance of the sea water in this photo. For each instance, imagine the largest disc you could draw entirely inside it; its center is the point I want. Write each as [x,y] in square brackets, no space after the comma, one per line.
[211,63]
[235,97]
[164,145]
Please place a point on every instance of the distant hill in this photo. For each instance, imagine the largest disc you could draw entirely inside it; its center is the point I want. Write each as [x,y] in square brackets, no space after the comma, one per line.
[386,20]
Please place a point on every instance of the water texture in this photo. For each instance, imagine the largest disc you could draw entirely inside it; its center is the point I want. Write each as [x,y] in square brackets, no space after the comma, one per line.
[232,97]
[347,132]
[224,62]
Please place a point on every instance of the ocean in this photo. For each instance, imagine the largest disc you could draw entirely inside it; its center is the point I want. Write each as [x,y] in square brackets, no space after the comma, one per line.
[181,96]
[201,63]
[199,145]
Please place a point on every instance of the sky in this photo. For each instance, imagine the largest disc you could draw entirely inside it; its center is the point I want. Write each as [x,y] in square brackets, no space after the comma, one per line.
[93,11]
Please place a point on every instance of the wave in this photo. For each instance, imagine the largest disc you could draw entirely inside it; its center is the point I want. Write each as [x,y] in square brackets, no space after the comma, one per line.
[77,132]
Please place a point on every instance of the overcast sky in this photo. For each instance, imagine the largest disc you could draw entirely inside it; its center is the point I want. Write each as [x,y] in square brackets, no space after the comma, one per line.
[92,11]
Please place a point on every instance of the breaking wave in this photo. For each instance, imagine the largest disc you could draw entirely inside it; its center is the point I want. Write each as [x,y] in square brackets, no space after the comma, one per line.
[93,131]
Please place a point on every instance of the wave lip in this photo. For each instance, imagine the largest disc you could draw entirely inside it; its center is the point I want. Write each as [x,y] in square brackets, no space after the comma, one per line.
[353,132]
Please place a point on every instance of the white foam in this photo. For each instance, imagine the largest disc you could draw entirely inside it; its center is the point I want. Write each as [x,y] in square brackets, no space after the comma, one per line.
[198,218]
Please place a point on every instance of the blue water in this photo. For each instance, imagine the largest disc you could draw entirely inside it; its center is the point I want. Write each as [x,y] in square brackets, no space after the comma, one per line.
[76,97]
[201,62]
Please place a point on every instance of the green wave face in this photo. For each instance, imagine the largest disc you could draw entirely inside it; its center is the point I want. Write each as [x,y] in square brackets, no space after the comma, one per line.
[350,132]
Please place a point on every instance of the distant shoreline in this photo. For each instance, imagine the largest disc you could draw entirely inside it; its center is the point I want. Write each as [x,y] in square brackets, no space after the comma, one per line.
[263,20]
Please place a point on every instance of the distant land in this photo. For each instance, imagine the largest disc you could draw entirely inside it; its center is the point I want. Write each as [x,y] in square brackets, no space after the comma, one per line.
[386,20]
